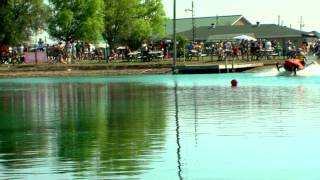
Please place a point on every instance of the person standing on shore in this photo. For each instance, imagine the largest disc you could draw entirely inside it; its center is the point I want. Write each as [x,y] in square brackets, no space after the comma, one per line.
[68,49]
[78,50]
[235,51]
[145,50]
[60,52]
[107,53]
[40,45]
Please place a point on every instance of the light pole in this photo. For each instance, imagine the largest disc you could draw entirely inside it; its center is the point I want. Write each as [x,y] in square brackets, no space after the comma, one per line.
[193,22]
[174,37]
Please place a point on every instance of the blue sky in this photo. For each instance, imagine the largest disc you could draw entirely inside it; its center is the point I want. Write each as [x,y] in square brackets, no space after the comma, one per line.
[266,12]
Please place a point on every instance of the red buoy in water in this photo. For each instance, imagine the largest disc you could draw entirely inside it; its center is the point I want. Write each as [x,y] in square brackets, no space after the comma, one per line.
[234,83]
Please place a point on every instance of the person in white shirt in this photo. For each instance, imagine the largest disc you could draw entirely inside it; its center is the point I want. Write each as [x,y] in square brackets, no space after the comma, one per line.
[268,45]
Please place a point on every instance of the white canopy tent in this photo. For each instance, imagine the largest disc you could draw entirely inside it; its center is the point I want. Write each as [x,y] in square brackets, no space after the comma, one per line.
[244,37]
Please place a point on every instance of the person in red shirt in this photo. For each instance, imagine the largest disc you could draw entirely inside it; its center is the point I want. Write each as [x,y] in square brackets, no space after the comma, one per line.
[4,50]
[235,51]
[3,54]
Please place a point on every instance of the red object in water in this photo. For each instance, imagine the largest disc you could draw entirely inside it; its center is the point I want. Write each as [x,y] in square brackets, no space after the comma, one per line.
[234,83]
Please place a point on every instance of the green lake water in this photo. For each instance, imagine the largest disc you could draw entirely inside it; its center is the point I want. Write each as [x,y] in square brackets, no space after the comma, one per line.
[161,127]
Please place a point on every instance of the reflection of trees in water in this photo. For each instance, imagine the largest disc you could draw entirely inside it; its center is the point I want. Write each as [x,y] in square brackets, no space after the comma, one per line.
[114,126]
[135,126]
[22,125]
[105,128]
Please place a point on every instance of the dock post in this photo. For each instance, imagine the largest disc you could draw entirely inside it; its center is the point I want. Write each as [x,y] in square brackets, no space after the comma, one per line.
[226,63]
[232,65]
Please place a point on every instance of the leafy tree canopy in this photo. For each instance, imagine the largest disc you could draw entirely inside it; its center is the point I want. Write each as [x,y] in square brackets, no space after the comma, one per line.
[132,21]
[76,20]
[19,19]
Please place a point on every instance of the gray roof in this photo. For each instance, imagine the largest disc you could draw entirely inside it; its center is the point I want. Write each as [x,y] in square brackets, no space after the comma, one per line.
[263,31]
[185,24]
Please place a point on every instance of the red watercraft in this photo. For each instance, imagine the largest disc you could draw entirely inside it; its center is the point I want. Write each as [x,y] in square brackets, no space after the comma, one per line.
[292,65]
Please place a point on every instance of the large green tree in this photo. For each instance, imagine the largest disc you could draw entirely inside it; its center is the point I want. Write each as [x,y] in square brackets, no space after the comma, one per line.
[132,21]
[76,20]
[20,19]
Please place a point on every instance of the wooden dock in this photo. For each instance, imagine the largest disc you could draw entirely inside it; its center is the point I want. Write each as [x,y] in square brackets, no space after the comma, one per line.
[215,68]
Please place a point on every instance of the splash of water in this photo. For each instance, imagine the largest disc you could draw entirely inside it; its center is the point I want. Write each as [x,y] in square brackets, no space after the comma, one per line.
[311,70]
[268,72]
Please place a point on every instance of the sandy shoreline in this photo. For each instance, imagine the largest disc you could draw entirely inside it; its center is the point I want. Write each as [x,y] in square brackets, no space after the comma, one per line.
[70,72]
[43,70]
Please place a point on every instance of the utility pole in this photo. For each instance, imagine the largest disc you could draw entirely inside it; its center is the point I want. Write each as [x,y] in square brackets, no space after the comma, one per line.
[174,37]
[301,23]
[193,24]
[193,21]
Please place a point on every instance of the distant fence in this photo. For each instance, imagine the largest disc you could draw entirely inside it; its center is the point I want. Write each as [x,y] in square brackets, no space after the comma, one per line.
[39,57]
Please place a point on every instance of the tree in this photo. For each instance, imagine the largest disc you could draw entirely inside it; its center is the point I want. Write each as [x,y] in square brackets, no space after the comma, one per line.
[154,14]
[76,20]
[181,46]
[19,19]
[131,21]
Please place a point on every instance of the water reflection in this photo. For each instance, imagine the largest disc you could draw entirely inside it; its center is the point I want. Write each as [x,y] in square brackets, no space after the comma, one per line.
[177,131]
[195,114]
[232,111]
[107,129]
[234,125]
[182,129]
[21,125]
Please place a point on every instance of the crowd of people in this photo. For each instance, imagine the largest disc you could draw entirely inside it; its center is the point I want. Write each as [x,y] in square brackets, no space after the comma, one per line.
[13,55]
[250,49]
[238,49]
[247,50]
[146,52]
[65,53]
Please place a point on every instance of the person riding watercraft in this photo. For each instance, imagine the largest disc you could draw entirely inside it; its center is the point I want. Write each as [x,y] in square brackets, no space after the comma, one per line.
[295,63]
